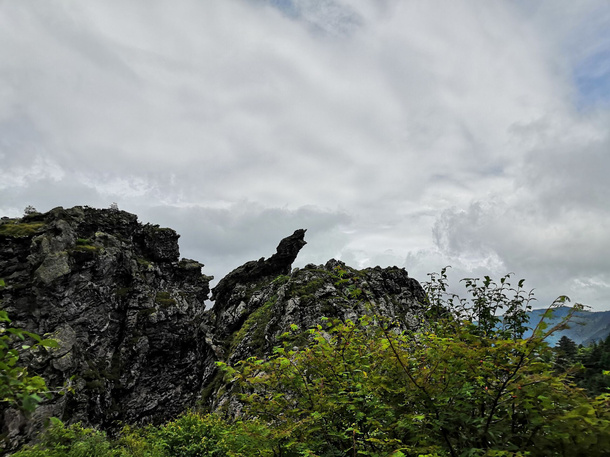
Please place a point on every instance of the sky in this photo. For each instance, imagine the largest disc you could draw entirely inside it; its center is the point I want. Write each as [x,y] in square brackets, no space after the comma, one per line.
[417,134]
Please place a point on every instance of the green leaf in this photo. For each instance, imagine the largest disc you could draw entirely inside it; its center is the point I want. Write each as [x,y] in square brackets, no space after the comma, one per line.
[49,343]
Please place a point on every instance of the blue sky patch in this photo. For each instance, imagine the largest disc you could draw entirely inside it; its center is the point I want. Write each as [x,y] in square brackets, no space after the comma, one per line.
[285,6]
[592,78]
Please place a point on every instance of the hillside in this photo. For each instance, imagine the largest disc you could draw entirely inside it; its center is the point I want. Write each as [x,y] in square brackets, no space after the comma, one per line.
[136,344]
[585,327]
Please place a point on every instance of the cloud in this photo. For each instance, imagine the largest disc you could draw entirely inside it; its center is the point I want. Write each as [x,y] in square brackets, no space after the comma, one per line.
[554,227]
[132,90]
[398,132]
[246,231]
[323,16]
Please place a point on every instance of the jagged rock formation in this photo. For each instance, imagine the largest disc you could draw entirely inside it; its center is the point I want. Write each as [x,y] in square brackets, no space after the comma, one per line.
[130,317]
[125,310]
[264,309]
[230,291]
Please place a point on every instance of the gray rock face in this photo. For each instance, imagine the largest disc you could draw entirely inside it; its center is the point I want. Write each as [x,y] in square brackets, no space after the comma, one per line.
[134,336]
[126,313]
[233,288]
[257,271]
[261,310]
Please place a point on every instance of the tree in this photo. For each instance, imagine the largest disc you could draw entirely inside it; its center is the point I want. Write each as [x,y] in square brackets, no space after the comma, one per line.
[566,352]
[29,210]
[567,347]
[594,375]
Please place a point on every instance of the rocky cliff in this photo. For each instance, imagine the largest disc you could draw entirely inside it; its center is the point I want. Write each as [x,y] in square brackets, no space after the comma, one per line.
[127,314]
[135,341]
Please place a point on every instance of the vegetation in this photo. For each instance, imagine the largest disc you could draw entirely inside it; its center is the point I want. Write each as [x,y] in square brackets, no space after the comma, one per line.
[14,228]
[122,291]
[17,386]
[191,435]
[144,263]
[465,384]
[589,366]
[257,320]
[29,210]
[84,245]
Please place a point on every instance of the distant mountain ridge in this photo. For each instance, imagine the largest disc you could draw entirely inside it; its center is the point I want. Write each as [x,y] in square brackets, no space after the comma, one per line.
[585,327]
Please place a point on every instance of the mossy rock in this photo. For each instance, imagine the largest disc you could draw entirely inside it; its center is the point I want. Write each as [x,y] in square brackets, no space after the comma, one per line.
[143,262]
[257,322]
[20,229]
[327,308]
[306,289]
[146,312]
[212,389]
[281,279]
[164,299]
[86,248]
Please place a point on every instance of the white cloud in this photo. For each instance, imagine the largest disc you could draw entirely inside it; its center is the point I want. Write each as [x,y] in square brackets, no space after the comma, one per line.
[374,122]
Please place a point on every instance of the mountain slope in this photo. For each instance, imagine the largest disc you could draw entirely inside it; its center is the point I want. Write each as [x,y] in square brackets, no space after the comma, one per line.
[585,327]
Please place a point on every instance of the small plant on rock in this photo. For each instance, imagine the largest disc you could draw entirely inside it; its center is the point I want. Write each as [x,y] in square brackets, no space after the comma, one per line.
[17,386]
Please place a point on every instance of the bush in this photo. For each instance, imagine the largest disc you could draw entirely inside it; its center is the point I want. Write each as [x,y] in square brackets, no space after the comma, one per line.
[190,435]
[73,441]
[467,385]
[196,435]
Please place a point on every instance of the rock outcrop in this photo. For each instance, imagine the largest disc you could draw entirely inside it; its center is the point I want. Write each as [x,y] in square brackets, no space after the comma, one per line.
[259,301]
[231,291]
[135,341]
[125,310]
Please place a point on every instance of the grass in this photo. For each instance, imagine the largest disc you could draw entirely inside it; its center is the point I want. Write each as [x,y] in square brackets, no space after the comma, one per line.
[86,248]
[259,320]
[20,229]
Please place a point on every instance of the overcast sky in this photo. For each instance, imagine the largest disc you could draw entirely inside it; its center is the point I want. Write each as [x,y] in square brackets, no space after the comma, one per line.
[410,133]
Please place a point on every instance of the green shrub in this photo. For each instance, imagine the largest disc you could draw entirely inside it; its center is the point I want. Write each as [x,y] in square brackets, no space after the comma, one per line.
[466,385]
[196,435]
[190,435]
[17,386]
[73,441]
